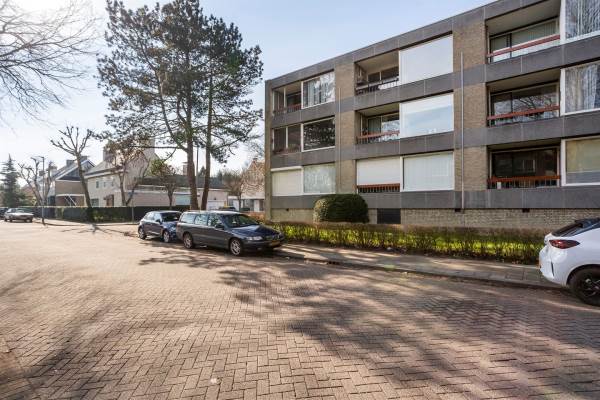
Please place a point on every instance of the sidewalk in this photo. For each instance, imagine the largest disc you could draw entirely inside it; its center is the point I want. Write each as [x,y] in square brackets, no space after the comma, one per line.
[497,272]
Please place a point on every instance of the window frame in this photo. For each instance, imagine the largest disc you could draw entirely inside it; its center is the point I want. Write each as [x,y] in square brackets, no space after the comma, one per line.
[302,150]
[318,194]
[403,183]
[558,157]
[563,161]
[301,168]
[556,20]
[302,106]
[400,115]
[563,85]
[563,26]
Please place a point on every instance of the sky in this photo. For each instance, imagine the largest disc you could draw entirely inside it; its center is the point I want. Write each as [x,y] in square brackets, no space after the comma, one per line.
[291,35]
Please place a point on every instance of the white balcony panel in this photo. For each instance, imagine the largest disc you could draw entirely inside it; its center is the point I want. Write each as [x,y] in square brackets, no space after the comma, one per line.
[379,171]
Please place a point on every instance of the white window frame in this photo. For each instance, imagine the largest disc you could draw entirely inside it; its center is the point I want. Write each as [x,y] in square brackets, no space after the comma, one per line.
[563,84]
[556,22]
[403,183]
[312,122]
[301,168]
[376,158]
[420,99]
[563,162]
[317,194]
[302,106]
[400,82]
[563,26]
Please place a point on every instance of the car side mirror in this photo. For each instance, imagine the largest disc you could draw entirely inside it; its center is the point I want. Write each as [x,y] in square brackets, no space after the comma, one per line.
[219,226]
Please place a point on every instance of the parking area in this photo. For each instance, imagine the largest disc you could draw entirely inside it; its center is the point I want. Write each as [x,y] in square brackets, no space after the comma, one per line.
[91,313]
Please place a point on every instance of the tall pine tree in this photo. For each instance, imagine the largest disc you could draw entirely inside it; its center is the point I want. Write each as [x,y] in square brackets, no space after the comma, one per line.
[11,194]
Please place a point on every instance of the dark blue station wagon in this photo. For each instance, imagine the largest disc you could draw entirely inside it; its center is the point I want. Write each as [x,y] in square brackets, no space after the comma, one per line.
[227,230]
[159,223]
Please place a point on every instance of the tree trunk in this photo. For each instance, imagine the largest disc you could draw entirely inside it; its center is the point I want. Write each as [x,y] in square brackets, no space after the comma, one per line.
[86,193]
[239,203]
[170,196]
[191,175]
[206,187]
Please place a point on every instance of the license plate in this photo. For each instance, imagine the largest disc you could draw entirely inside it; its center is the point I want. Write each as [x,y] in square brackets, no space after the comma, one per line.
[275,243]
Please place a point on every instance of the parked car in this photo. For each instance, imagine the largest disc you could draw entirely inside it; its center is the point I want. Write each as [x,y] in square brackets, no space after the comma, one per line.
[227,230]
[571,258]
[17,214]
[159,223]
[2,211]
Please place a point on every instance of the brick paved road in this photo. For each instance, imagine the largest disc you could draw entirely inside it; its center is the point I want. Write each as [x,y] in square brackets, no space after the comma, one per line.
[97,315]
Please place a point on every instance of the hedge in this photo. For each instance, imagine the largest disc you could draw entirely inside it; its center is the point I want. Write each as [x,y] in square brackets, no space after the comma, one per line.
[99,214]
[341,208]
[512,245]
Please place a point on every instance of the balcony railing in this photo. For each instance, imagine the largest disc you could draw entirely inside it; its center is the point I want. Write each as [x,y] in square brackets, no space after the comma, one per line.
[508,52]
[524,182]
[378,85]
[287,150]
[377,137]
[525,115]
[288,109]
[382,188]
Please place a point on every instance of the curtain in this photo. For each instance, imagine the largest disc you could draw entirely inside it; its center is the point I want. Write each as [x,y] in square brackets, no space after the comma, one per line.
[287,183]
[427,116]
[582,17]
[582,88]
[379,171]
[319,179]
[431,172]
[582,161]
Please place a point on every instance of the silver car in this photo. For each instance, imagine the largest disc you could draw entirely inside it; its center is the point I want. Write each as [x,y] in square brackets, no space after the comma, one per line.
[17,214]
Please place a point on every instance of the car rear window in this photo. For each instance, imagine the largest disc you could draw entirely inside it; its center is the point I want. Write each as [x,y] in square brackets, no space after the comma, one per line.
[170,217]
[577,227]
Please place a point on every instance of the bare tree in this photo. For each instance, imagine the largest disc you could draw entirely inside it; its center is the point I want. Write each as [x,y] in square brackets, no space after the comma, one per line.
[166,176]
[74,143]
[253,177]
[42,55]
[232,180]
[30,173]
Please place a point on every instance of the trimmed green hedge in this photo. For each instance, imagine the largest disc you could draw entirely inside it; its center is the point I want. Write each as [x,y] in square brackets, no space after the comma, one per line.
[341,208]
[512,245]
[99,214]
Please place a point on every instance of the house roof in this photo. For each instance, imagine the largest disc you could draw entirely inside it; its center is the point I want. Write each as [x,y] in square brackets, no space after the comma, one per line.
[182,181]
[60,173]
[103,166]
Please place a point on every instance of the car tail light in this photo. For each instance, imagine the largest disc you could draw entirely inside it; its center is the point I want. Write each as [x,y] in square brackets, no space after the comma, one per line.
[563,244]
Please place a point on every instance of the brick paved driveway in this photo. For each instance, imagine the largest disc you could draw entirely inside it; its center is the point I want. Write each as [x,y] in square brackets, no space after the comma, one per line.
[97,315]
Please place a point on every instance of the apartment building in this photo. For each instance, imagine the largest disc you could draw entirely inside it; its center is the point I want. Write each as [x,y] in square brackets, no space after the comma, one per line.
[487,118]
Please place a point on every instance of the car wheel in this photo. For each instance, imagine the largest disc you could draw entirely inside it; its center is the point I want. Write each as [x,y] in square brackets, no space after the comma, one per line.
[236,247]
[188,242]
[585,284]
[141,233]
[166,237]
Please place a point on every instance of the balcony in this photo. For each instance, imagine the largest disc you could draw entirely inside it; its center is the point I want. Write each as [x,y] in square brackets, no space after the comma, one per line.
[524,104]
[377,73]
[524,182]
[382,188]
[287,99]
[525,168]
[286,140]
[379,124]
[524,31]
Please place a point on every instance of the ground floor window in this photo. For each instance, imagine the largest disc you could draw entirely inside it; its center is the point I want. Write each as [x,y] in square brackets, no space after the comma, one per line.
[287,182]
[582,161]
[537,162]
[429,172]
[319,179]
[388,216]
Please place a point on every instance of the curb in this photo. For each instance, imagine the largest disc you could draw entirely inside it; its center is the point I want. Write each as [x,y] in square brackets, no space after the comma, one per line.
[454,276]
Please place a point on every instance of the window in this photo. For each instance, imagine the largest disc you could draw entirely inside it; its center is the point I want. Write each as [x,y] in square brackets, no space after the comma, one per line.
[386,74]
[581,88]
[319,134]
[97,184]
[426,60]
[429,172]
[238,220]
[524,100]
[186,218]
[286,140]
[318,90]
[537,162]
[95,202]
[521,37]
[388,215]
[379,171]
[201,219]
[213,220]
[582,163]
[582,18]
[383,124]
[287,182]
[427,116]
[319,179]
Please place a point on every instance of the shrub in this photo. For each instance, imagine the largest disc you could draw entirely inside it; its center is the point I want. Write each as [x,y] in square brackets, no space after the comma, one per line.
[341,208]
[516,245]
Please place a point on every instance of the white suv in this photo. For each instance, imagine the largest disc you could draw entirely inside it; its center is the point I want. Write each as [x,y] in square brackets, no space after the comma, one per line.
[571,257]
